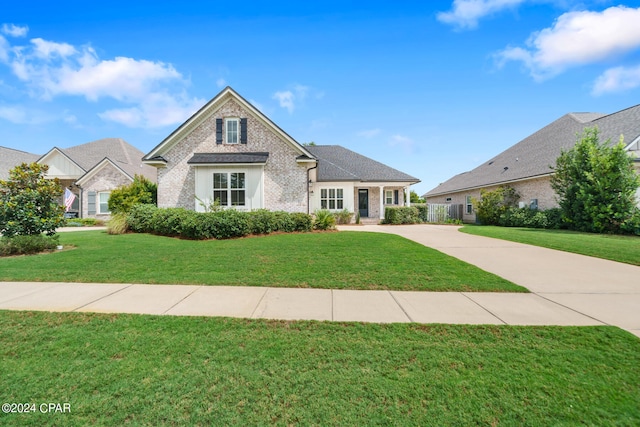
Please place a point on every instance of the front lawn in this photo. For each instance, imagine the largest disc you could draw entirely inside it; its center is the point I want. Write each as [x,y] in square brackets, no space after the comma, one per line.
[162,370]
[612,247]
[340,260]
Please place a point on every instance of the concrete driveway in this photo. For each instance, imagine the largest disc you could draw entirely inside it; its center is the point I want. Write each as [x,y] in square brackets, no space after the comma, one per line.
[603,290]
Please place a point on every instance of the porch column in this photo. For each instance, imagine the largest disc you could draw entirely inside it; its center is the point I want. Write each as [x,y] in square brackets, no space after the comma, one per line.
[407,191]
[381,202]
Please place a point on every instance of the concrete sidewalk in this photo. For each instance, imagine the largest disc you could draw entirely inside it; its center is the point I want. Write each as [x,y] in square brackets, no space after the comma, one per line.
[568,289]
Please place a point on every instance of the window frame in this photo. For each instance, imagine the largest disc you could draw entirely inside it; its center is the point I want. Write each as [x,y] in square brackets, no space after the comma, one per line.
[469,205]
[388,197]
[100,203]
[228,131]
[332,198]
[233,196]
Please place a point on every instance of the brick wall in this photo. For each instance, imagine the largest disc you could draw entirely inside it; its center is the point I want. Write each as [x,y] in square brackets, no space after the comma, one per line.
[285,181]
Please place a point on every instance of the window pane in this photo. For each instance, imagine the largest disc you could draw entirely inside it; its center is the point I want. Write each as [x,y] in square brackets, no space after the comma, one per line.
[237,180]
[237,197]
[339,193]
[332,204]
[221,196]
[323,193]
[219,180]
[323,204]
[332,193]
[104,202]
[339,202]
[232,131]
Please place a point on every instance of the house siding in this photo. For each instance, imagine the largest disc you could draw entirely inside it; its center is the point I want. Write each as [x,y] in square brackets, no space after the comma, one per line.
[536,188]
[108,179]
[285,182]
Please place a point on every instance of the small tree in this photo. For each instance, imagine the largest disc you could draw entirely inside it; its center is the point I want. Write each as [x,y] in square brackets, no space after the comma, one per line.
[141,190]
[596,185]
[493,204]
[29,203]
[414,198]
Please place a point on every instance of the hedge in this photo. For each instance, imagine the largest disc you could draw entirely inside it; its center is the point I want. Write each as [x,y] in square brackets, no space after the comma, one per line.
[224,224]
[401,215]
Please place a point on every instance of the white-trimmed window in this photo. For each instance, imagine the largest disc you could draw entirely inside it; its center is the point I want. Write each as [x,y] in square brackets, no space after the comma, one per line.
[229,188]
[232,127]
[469,205]
[388,197]
[332,198]
[103,202]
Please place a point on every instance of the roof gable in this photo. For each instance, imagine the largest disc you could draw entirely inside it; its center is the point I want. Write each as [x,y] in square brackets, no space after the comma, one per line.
[336,163]
[10,158]
[61,165]
[105,163]
[155,156]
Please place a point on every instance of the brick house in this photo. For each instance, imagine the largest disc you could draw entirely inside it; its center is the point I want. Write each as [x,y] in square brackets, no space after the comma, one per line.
[527,165]
[231,152]
[92,170]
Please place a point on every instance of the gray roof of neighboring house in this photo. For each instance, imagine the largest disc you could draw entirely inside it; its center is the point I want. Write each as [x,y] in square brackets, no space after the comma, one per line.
[336,163]
[10,158]
[536,154]
[124,155]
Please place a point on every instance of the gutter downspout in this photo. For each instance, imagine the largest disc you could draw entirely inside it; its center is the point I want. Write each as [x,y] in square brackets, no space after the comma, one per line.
[308,195]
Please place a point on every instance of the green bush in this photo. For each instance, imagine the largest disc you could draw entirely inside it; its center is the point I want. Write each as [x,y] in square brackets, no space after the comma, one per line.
[140,191]
[493,204]
[401,215]
[262,221]
[324,220]
[228,224]
[27,244]
[139,218]
[423,211]
[302,222]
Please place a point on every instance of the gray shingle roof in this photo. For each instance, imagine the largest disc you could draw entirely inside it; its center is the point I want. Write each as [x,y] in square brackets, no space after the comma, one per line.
[120,152]
[219,158]
[336,163]
[537,153]
[10,158]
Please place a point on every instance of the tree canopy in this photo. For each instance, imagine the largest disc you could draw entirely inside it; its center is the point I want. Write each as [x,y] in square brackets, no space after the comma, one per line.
[596,186]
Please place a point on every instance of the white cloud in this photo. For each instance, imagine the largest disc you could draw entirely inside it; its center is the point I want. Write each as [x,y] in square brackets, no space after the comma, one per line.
[4,49]
[577,38]
[465,14]
[617,79]
[152,92]
[369,133]
[290,99]
[285,99]
[221,82]
[20,115]
[14,30]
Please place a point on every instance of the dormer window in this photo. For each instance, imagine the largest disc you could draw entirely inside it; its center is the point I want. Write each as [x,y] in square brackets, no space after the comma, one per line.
[231,126]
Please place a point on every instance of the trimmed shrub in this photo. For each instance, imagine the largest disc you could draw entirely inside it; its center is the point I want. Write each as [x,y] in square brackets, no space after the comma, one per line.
[227,224]
[168,222]
[523,217]
[139,218]
[27,244]
[423,211]
[493,204]
[401,215]
[302,222]
[262,221]
[324,220]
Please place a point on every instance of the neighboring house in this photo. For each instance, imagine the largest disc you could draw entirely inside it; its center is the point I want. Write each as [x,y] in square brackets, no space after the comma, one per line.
[92,170]
[229,151]
[527,165]
[10,158]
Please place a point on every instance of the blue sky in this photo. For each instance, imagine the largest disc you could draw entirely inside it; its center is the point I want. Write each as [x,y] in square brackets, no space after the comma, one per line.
[432,88]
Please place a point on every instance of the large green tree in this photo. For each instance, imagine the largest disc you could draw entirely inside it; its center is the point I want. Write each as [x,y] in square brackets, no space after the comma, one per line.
[596,186]
[29,203]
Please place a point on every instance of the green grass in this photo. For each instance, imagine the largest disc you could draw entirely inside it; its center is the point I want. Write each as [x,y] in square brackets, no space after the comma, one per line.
[624,249]
[162,370]
[344,260]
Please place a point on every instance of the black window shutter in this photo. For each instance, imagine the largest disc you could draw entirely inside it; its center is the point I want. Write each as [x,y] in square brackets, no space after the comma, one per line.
[395,197]
[218,131]
[243,131]
[91,202]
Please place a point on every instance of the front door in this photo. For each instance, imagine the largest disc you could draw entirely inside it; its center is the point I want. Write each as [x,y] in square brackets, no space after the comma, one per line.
[363,202]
